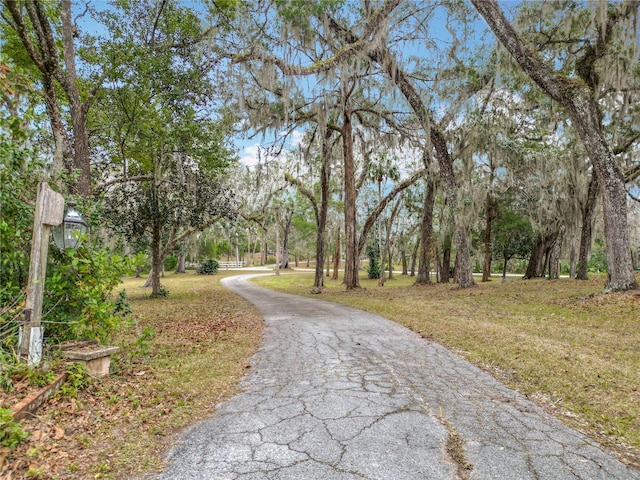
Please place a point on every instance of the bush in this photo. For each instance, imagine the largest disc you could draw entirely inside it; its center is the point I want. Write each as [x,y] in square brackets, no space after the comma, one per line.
[373,253]
[78,294]
[11,434]
[170,263]
[208,267]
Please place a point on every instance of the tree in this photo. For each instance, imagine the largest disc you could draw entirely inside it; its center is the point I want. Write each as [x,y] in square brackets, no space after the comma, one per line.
[577,97]
[512,237]
[160,127]
[47,37]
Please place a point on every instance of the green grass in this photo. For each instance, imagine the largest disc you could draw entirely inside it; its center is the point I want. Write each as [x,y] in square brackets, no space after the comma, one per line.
[565,344]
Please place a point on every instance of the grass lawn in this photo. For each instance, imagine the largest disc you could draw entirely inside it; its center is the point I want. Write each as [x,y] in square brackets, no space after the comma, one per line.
[565,344]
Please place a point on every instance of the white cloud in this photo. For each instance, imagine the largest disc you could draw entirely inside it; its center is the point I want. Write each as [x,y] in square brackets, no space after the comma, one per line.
[249,155]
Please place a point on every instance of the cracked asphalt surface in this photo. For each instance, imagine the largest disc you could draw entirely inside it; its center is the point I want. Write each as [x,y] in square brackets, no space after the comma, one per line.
[337,393]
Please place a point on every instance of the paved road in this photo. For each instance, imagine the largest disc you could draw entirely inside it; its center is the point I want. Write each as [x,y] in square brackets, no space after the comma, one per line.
[336,393]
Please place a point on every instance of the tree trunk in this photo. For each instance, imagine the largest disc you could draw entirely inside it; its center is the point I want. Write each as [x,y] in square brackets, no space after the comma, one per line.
[156,263]
[69,82]
[325,173]
[405,262]
[504,270]
[277,249]
[490,214]
[414,258]
[554,262]
[182,261]
[264,247]
[327,263]
[426,233]
[156,231]
[336,254]
[572,262]
[464,270]
[587,227]
[285,239]
[578,99]
[445,267]
[351,280]
[534,267]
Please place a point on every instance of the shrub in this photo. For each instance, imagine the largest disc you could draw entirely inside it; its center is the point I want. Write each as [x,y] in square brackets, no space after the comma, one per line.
[208,267]
[77,380]
[78,294]
[11,434]
[373,252]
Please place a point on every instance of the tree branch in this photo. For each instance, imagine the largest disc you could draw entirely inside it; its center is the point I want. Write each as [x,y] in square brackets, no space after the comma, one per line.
[375,213]
[304,191]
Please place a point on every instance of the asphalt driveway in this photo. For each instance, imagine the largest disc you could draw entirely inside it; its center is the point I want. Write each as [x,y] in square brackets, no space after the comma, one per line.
[337,393]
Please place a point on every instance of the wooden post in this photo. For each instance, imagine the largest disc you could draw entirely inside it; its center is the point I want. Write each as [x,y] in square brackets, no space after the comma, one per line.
[49,212]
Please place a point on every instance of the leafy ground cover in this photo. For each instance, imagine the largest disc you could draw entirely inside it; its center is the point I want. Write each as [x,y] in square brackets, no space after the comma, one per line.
[565,344]
[184,355]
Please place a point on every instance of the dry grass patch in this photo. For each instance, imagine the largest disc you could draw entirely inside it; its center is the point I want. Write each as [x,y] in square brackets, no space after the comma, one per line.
[185,354]
[565,344]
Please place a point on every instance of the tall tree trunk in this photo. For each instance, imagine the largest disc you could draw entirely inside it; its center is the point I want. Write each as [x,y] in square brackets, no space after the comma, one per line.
[264,247]
[156,229]
[426,233]
[414,258]
[285,239]
[490,215]
[573,258]
[445,266]
[554,262]
[328,263]
[351,280]
[336,253]
[464,267]
[535,266]
[325,173]
[69,82]
[405,262]
[578,99]
[586,230]
[277,249]
[540,255]
[182,262]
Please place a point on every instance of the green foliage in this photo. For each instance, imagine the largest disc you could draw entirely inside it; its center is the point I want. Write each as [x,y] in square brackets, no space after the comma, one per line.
[373,252]
[78,379]
[11,434]
[208,267]
[170,262]
[122,304]
[512,235]
[143,342]
[20,169]
[297,12]
[78,294]
[598,261]
[37,377]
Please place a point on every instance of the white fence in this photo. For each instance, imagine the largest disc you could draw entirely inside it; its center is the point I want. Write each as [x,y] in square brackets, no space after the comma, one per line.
[228,265]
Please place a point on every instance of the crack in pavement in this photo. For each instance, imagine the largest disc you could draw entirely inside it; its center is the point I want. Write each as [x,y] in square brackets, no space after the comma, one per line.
[337,393]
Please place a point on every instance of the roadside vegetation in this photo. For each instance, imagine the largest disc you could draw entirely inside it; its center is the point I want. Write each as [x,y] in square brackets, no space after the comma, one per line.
[179,359]
[563,343]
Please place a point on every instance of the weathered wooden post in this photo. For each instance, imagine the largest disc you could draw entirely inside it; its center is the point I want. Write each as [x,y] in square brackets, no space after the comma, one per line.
[49,212]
